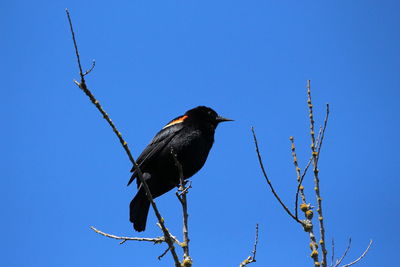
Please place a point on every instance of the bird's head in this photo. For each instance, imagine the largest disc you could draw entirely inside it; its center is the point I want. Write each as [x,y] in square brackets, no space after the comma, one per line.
[205,115]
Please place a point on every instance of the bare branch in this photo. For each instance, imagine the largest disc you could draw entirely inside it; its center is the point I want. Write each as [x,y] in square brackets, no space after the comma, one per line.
[82,85]
[163,254]
[311,158]
[319,144]
[252,257]
[316,171]
[269,182]
[300,187]
[181,195]
[75,45]
[306,169]
[362,255]
[91,68]
[344,254]
[309,228]
[155,240]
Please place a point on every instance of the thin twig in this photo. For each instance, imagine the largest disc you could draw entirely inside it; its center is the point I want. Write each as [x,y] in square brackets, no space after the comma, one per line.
[311,158]
[82,85]
[91,68]
[339,261]
[75,45]
[362,255]
[163,254]
[155,240]
[269,182]
[252,257]
[322,133]
[181,195]
[333,252]
[300,187]
[306,169]
[316,171]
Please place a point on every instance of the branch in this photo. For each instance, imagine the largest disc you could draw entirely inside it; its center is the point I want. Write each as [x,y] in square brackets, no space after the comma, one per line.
[300,187]
[82,85]
[181,195]
[163,254]
[362,255]
[319,140]
[155,240]
[322,133]
[252,257]
[309,228]
[344,254]
[316,171]
[269,182]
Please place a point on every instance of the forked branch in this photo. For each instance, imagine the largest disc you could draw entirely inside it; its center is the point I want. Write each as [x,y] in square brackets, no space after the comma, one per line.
[82,85]
[339,261]
[307,223]
[362,255]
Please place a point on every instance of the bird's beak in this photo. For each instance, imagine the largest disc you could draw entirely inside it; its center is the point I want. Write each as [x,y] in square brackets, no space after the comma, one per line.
[222,119]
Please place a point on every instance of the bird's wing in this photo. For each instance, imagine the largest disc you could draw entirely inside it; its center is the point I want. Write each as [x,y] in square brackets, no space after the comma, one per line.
[161,139]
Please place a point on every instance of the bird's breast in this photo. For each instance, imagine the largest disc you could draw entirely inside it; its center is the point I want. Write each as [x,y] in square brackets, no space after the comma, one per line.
[192,150]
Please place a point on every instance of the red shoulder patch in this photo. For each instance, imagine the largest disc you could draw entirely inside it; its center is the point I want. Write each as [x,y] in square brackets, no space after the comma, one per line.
[176,121]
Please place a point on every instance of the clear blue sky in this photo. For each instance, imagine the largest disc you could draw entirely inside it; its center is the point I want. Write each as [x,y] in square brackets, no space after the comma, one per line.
[62,168]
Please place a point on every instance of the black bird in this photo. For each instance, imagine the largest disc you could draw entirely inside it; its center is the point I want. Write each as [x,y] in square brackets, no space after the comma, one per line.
[191,137]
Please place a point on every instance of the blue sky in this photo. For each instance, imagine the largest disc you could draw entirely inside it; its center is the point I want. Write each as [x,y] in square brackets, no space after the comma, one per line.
[64,170]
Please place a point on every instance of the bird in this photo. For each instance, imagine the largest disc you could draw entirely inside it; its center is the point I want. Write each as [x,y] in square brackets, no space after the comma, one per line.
[190,137]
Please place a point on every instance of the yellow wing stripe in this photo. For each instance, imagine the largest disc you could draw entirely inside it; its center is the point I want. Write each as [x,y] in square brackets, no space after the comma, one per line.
[179,120]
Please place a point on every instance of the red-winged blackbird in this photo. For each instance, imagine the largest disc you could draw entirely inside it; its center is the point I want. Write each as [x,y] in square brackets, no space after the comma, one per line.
[190,137]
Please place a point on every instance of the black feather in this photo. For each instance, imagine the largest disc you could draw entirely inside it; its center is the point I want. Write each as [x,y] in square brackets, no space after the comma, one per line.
[191,137]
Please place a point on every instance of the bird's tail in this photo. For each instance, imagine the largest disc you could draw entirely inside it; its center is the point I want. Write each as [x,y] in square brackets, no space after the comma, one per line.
[139,209]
